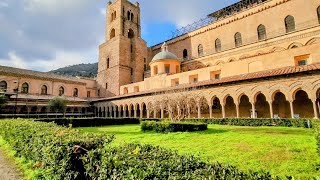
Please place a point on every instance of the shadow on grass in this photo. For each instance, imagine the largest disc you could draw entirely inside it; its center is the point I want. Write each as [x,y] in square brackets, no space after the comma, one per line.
[213,131]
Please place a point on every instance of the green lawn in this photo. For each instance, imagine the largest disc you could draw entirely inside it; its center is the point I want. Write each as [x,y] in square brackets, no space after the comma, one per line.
[279,150]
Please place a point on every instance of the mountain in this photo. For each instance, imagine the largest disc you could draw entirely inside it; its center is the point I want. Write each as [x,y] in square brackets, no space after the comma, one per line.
[82,70]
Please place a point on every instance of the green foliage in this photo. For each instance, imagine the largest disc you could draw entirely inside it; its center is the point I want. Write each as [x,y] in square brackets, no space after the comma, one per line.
[135,161]
[91,122]
[255,122]
[83,70]
[57,151]
[3,100]
[58,105]
[166,126]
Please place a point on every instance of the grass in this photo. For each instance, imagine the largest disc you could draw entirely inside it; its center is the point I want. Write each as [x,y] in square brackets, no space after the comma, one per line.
[280,150]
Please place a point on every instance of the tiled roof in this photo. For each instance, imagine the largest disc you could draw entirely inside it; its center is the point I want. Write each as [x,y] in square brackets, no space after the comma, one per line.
[237,78]
[42,75]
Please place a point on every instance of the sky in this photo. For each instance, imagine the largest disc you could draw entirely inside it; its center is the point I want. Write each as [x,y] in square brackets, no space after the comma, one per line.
[44,35]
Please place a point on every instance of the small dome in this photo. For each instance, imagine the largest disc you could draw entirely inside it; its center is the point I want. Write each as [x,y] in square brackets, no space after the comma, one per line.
[164,54]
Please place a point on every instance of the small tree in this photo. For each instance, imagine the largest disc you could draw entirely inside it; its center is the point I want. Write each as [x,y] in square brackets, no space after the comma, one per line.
[3,100]
[58,105]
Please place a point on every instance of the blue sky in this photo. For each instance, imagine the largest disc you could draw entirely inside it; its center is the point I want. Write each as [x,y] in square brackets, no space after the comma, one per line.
[48,34]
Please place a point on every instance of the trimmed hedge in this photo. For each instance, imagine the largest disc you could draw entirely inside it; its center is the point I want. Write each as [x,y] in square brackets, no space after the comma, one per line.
[91,122]
[133,161]
[57,151]
[255,122]
[166,126]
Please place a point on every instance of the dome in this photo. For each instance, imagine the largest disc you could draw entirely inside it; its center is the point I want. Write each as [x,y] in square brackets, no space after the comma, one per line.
[164,54]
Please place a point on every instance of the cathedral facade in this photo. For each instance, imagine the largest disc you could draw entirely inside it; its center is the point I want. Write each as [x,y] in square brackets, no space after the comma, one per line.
[256,58]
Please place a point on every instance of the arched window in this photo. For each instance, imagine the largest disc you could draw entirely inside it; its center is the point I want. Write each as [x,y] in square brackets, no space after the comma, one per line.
[185,54]
[44,90]
[218,45]
[125,91]
[112,17]
[3,86]
[75,92]
[128,15]
[130,33]
[132,16]
[262,34]
[318,12]
[200,50]
[112,33]
[61,91]
[108,63]
[238,39]
[25,88]
[290,24]
[115,15]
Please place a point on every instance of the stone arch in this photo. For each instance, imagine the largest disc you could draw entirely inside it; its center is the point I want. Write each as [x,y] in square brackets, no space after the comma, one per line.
[112,33]
[279,87]
[260,89]
[314,40]
[216,107]
[230,106]
[280,105]
[262,105]
[277,49]
[121,111]
[245,106]
[219,62]
[130,34]
[295,45]
[44,88]
[3,86]
[144,110]
[25,87]
[302,104]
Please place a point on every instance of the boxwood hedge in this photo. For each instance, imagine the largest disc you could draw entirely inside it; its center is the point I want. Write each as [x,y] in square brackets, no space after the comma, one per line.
[91,122]
[166,126]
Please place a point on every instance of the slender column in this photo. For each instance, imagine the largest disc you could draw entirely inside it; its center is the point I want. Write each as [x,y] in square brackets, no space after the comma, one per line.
[115,113]
[154,113]
[148,113]
[238,110]
[129,111]
[291,108]
[199,111]
[210,109]
[223,110]
[119,113]
[253,110]
[110,113]
[106,112]
[315,110]
[189,112]
[135,113]
[124,112]
[162,113]
[141,113]
[271,110]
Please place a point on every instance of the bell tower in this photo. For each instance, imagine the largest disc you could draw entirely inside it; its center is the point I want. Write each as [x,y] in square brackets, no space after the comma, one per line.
[122,56]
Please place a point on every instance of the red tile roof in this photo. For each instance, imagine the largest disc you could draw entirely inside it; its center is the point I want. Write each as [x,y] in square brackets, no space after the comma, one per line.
[236,78]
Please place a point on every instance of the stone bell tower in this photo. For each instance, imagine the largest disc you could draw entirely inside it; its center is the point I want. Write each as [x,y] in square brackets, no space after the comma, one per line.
[122,56]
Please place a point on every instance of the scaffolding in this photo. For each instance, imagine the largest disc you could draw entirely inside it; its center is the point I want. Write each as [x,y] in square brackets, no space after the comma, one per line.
[220,14]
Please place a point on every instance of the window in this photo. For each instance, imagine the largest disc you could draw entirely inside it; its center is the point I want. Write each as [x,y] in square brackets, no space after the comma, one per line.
[128,15]
[262,32]
[175,82]
[215,75]
[125,90]
[238,39]
[301,60]
[185,54]
[145,67]
[115,15]
[136,89]
[216,104]
[130,33]
[318,12]
[167,68]
[25,88]
[131,71]
[44,90]
[108,63]
[131,47]
[200,50]
[155,70]
[3,86]
[132,16]
[177,69]
[106,85]
[290,24]
[88,94]
[112,33]
[302,63]
[193,79]
[218,45]
[112,17]
[61,91]
[75,92]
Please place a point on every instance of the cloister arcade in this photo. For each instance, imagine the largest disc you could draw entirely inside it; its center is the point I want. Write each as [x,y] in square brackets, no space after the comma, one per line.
[277,100]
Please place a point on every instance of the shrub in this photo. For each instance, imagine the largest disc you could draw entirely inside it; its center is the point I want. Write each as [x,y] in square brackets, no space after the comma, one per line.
[91,122]
[255,122]
[133,161]
[56,151]
[166,126]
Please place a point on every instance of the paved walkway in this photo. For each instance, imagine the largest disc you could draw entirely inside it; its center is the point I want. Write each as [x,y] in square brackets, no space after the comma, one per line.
[8,170]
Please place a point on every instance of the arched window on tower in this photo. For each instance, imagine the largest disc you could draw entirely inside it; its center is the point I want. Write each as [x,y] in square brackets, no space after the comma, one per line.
[3,86]
[112,33]
[112,17]
[318,13]
[108,63]
[128,15]
[218,45]
[130,33]
[185,54]
[25,88]
[262,34]
[75,92]
[61,91]
[44,90]
[115,15]
[132,17]
[238,39]
[200,50]
[290,24]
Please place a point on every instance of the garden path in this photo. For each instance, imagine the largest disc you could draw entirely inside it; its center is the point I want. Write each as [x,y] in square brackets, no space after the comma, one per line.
[8,170]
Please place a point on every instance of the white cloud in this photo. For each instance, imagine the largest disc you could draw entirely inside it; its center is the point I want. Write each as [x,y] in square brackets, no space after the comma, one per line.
[4,4]
[14,61]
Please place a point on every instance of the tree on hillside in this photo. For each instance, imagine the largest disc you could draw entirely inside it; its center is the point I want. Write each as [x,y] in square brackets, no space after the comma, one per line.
[58,105]
[178,104]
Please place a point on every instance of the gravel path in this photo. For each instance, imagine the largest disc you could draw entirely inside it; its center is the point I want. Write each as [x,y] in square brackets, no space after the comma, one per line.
[8,170]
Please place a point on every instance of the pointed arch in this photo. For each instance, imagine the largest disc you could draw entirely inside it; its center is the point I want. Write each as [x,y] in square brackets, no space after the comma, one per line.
[130,34]
[112,33]
[262,33]
[295,45]
[44,90]
[290,24]
[238,39]
[25,88]
[315,40]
